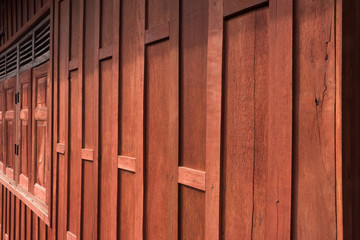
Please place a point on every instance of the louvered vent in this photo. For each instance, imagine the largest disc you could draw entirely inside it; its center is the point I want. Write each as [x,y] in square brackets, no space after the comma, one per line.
[2,66]
[11,61]
[42,40]
[32,50]
[26,51]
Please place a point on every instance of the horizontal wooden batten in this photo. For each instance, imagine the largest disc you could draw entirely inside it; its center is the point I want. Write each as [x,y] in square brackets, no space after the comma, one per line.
[24,114]
[232,7]
[87,154]
[127,163]
[70,236]
[105,52]
[192,178]
[41,114]
[157,33]
[60,148]
[40,209]
[10,115]
[73,64]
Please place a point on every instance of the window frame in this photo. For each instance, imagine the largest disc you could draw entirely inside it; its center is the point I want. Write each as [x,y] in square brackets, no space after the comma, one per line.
[36,68]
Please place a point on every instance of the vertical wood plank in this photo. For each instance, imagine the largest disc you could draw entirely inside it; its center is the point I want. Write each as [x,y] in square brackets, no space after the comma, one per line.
[338,119]
[139,81]
[174,117]
[213,119]
[278,225]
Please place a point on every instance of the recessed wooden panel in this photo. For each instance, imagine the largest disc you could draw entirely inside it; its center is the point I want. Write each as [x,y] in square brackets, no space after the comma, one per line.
[10,90]
[244,162]
[157,177]
[25,123]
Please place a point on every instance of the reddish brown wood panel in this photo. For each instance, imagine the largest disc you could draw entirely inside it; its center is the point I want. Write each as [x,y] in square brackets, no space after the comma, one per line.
[175,119]
[314,119]
[245,118]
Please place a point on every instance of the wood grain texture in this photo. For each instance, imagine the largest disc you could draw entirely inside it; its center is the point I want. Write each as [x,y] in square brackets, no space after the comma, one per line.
[213,119]
[314,121]
[192,178]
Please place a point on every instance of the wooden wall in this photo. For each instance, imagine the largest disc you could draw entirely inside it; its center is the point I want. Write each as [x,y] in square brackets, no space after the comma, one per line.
[191,119]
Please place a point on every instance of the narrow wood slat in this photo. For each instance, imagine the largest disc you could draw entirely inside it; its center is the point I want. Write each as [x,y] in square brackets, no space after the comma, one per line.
[105,52]
[192,178]
[73,64]
[232,7]
[60,148]
[213,120]
[140,80]
[339,121]
[278,214]
[87,154]
[70,236]
[157,33]
[127,163]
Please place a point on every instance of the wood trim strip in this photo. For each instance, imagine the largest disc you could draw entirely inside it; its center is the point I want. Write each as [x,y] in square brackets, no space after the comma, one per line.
[278,217]
[26,26]
[338,119]
[73,64]
[139,81]
[127,163]
[157,33]
[80,113]
[213,119]
[192,178]
[24,181]
[233,7]
[87,154]
[174,118]
[70,236]
[60,148]
[9,172]
[105,52]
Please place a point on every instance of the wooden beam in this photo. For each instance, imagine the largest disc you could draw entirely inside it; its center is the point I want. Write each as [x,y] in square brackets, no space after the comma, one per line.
[127,163]
[70,236]
[192,178]
[278,217]
[157,33]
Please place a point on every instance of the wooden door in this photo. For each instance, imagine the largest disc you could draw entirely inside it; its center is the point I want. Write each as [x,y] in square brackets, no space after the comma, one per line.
[40,140]
[25,128]
[10,90]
